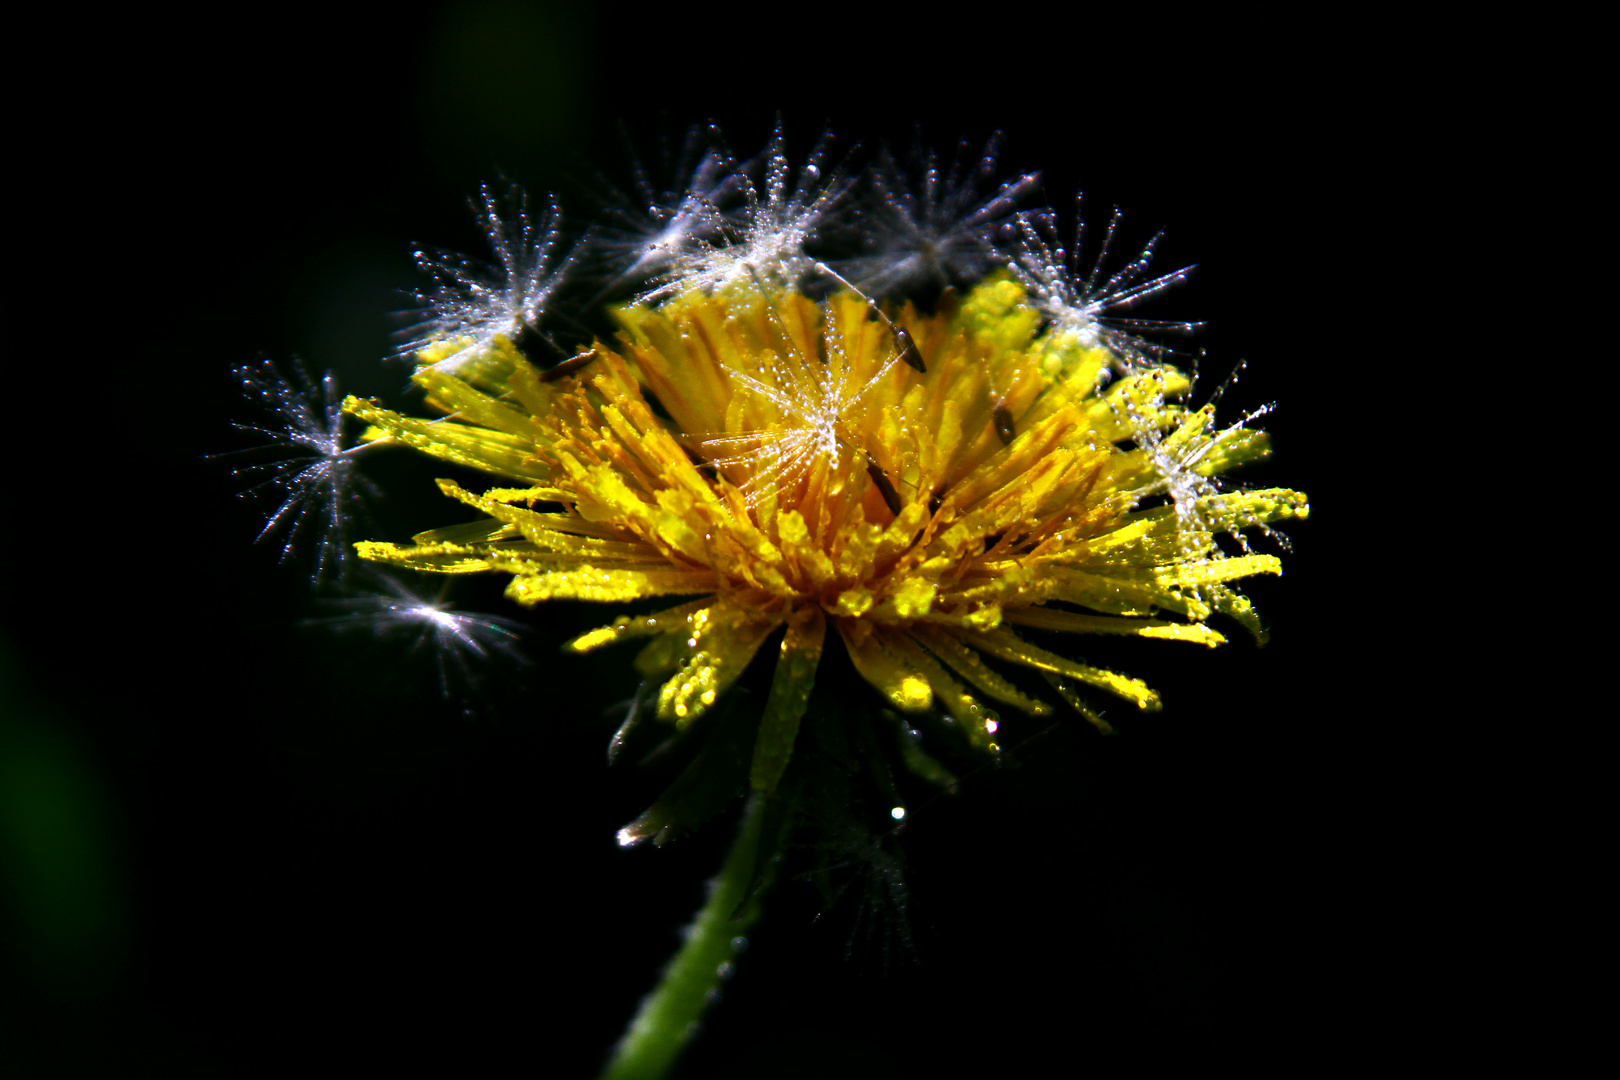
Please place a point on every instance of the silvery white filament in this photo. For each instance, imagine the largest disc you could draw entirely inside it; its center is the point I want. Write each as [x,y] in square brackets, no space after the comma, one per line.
[317,481]
[810,406]
[457,639]
[1082,305]
[480,302]
[764,239]
[924,229]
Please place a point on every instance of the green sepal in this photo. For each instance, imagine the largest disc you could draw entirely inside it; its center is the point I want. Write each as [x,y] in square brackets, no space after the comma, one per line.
[706,786]
[790,693]
[919,762]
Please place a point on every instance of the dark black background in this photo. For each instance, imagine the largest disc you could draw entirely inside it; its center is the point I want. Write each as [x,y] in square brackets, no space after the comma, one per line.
[239,845]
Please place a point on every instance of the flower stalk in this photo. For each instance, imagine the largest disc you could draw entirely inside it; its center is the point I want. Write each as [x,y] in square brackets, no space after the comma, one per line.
[668,1017]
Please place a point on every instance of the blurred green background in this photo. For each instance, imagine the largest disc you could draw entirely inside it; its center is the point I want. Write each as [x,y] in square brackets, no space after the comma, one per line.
[229,843]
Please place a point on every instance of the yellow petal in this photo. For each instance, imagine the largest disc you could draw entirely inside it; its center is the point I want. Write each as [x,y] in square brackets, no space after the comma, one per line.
[905,687]
[627,627]
[1008,646]
[1069,622]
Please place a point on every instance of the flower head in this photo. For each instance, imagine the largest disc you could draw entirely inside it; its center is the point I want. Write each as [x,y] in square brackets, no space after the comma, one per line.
[763,456]
[945,466]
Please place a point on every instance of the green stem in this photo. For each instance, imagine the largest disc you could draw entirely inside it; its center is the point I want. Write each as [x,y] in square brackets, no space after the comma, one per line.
[668,1016]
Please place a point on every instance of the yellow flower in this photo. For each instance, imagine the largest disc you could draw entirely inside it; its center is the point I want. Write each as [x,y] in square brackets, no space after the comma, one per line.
[770,455]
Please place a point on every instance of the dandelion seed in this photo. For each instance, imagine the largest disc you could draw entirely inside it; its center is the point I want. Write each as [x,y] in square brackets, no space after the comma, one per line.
[809,411]
[1184,449]
[319,488]
[460,641]
[764,240]
[642,233]
[471,304]
[1081,306]
[927,231]
[865,869]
